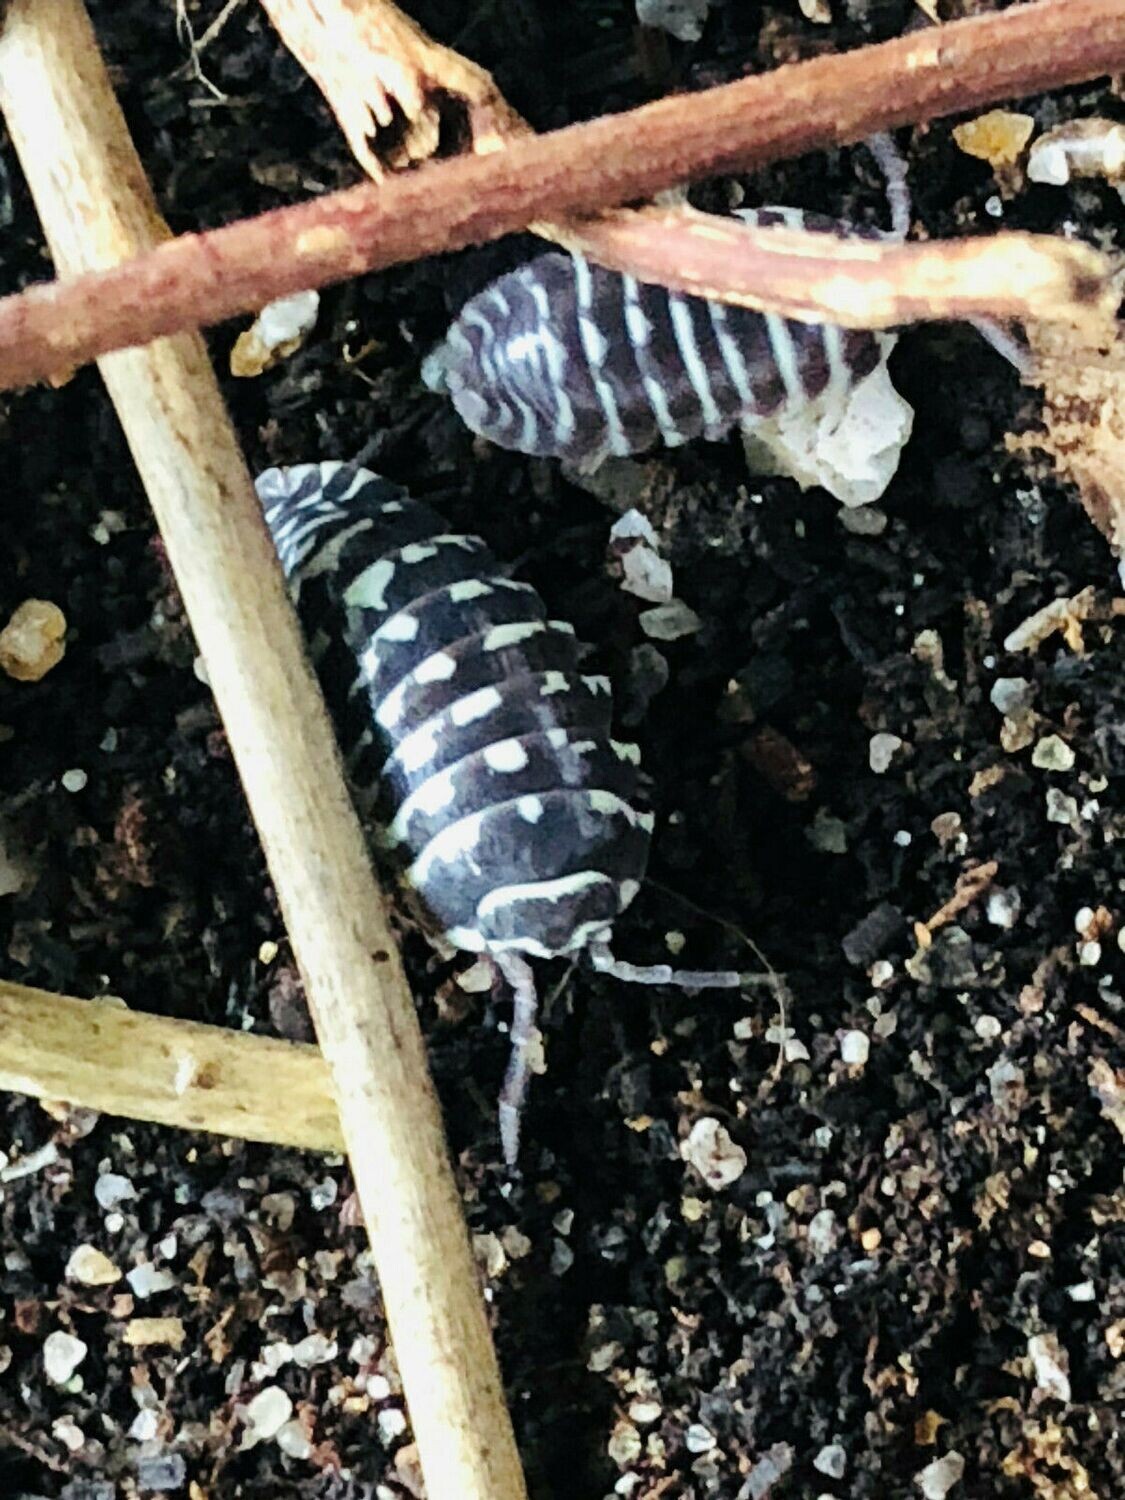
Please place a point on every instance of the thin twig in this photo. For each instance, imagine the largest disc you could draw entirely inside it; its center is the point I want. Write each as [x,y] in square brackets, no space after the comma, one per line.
[97,209]
[198,280]
[102,1056]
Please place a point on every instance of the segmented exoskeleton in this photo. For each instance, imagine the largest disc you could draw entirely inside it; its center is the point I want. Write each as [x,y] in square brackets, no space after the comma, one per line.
[503,800]
[561,358]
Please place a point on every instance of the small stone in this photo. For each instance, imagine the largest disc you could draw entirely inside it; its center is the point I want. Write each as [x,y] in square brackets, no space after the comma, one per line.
[146,1424]
[645,1413]
[863,520]
[278,331]
[140,1333]
[294,1441]
[267,951]
[855,1048]
[683,19]
[1060,807]
[1003,906]
[624,1446]
[823,1232]
[828,834]
[31,643]
[89,1266]
[831,1460]
[62,1354]
[710,1150]
[265,1415]
[881,927]
[1049,1363]
[68,1432]
[937,1479]
[74,780]
[1006,1084]
[699,1439]
[988,1028]
[161,1473]
[1010,694]
[668,622]
[489,1255]
[392,1423]
[1052,754]
[147,1280]
[1082,1291]
[645,573]
[881,751]
[112,1190]
[997,137]
[1089,954]
[316,1349]
[323,1194]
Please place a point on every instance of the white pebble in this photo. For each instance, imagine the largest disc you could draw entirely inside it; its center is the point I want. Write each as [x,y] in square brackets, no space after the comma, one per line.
[293,1440]
[1089,954]
[62,1354]
[855,1048]
[937,1479]
[1082,1291]
[1048,1361]
[89,1266]
[646,576]
[265,1415]
[1003,906]
[903,838]
[645,1413]
[111,1190]
[68,1432]
[392,1423]
[1010,694]
[316,1349]
[881,751]
[1052,754]
[823,1232]
[668,622]
[323,1194]
[145,1426]
[988,1028]
[710,1150]
[831,1460]
[1060,807]
[146,1280]
[699,1439]
[74,780]
[682,19]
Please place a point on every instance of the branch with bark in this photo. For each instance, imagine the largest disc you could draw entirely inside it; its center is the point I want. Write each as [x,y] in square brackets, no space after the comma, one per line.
[198,280]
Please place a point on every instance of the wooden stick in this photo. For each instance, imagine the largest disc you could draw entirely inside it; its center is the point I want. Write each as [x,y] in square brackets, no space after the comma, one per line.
[202,279]
[123,1062]
[97,210]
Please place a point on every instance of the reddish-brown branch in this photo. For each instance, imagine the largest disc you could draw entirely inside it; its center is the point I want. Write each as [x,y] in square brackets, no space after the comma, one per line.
[202,279]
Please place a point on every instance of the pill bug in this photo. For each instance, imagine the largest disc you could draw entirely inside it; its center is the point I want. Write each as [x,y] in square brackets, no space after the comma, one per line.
[561,358]
[508,811]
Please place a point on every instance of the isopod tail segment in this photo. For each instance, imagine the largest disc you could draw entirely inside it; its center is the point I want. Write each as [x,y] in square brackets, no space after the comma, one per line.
[519,976]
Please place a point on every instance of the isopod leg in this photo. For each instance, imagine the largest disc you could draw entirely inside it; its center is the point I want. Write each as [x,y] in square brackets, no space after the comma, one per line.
[681,979]
[525,1004]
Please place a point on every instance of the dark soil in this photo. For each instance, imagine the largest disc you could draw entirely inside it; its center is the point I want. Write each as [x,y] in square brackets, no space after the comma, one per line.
[914,1239]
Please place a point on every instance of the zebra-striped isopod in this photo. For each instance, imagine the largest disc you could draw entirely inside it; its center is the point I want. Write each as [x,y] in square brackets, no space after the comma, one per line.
[560,358]
[503,800]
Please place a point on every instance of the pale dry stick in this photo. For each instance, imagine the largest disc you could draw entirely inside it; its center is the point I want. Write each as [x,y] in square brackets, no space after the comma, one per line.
[97,209]
[202,279]
[100,1055]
